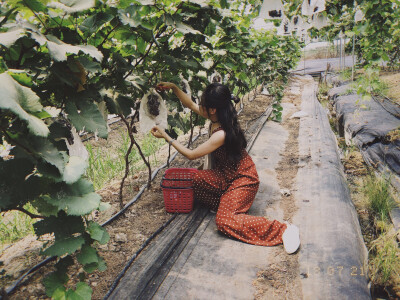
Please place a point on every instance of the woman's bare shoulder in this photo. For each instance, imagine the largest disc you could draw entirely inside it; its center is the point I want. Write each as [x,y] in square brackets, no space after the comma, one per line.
[218,135]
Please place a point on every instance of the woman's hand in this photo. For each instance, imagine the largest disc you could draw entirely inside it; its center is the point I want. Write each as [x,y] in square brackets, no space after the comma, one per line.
[165,86]
[158,132]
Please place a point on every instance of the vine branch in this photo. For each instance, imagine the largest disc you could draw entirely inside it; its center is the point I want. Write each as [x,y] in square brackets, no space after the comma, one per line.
[108,34]
[33,216]
[36,15]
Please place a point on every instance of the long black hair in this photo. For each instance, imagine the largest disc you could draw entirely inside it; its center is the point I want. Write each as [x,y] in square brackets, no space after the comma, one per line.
[218,96]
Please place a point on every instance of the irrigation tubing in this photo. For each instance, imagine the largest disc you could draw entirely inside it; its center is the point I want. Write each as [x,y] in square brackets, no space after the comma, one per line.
[131,260]
[115,216]
[33,269]
[254,119]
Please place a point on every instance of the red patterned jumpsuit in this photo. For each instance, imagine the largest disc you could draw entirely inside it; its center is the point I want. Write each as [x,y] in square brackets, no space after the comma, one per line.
[230,191]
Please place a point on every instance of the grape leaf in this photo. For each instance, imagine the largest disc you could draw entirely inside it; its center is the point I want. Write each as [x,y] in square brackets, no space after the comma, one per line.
[12,171]
[55,281]
[89,65]
[104,206]
[21,78]
[74,169]
[64,246]
[98,233]
[82,292]
[35,5]
[62,225]
[80,205]
[87,117]
[44,208]
[49,153]
[58,50]
[76,199]
[130,16]
[8,38]
[93,23]
[22,101]
[87,255]
[72,6]
[101,266]
[59,294]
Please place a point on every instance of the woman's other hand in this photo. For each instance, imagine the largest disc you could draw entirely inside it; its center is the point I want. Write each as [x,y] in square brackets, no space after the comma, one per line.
[158,132]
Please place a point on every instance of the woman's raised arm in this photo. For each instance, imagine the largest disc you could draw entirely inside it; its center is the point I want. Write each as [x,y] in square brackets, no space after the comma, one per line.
[184,98]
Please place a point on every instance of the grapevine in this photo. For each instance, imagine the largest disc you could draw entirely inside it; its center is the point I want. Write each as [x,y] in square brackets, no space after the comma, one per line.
[64,65]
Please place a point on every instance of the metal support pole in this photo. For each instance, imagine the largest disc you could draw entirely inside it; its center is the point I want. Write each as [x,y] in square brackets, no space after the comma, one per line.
[344,52]
[304,51]
[352,66]
[340,54]
[337,47]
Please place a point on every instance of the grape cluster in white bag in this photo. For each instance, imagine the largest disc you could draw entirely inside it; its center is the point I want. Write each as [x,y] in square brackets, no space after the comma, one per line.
[152,111]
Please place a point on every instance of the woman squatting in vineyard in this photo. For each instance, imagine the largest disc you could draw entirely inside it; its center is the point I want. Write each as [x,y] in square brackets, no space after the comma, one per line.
[230,186]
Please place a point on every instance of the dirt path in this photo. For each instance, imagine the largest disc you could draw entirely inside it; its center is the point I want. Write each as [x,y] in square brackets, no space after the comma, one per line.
[281,279]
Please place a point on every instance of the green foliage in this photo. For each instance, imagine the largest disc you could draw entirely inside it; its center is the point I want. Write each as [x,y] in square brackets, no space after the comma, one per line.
[69,55]
[377,191]
[345,74]
[384,253]
[15,225]
[98,233]
[369,83]
[377,35]
[22,102]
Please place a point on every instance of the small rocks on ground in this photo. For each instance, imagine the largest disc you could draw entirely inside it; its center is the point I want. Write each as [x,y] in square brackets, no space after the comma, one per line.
[121,238]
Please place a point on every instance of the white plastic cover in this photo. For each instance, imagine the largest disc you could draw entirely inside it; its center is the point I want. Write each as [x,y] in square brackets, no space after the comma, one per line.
[147,120]
[311,7]
[319,21]
[77,148]
[272,9]
[186,89]
[359,15]
[259,23]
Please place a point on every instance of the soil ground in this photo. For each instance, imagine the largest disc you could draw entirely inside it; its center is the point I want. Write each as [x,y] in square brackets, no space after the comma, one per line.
[130,230]
[281,279]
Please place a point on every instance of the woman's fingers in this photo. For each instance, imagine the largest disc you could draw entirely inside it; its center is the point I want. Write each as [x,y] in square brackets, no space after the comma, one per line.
[164,85]
[156,132]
